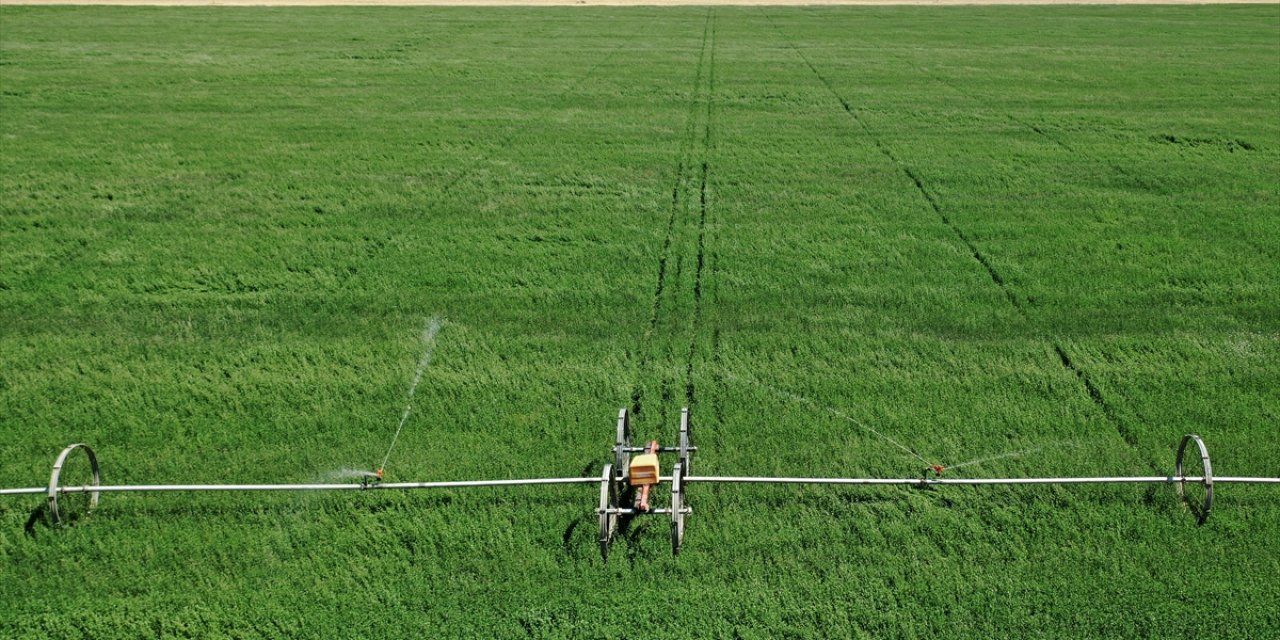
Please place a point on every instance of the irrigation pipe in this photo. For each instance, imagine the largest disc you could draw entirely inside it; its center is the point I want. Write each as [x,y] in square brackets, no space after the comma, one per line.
[976,481]
[124,488]
[617,484]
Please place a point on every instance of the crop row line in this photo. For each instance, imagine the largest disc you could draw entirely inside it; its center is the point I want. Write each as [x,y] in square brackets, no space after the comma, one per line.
[510,132]
[1095,393]
[1037,129]
[1092,389]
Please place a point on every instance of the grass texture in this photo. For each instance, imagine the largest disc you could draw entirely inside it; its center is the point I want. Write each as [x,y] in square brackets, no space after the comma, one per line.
[1019,241]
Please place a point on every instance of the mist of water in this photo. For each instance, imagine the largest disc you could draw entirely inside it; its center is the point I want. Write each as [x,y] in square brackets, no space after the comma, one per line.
[1061,444]
[348,472]
[794,397]
[997,456]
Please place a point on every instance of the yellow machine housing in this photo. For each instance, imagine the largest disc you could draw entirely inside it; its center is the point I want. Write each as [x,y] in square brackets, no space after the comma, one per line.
[644,470]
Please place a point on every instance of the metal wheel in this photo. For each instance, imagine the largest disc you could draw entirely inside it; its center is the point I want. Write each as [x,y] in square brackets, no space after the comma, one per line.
[608,502]
[90,477]
[686,440]
[622,446]
[677,508]
[1204,470]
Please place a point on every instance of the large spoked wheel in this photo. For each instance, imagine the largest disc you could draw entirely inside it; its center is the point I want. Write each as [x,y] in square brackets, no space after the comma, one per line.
[1198,466]
[622,446]
[686,440]
[677,508]
[77,478]
[608,514]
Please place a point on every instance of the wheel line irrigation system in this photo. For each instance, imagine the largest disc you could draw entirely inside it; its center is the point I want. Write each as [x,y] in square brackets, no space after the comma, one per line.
[620,480]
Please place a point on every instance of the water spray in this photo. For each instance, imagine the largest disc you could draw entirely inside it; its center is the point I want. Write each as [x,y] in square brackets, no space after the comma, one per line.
[795,397]
[434,324]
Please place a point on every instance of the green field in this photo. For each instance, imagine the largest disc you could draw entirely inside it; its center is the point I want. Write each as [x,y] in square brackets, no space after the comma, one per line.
[852,240]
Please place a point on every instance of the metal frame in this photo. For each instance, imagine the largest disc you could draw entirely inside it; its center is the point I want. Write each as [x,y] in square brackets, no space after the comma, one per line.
[607,510]
[1207,480]
[614,487]
[678,508]
[55,480]
[622,448]
[686,448]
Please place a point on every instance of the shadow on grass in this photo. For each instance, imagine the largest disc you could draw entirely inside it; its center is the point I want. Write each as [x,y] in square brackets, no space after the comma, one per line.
[37,517]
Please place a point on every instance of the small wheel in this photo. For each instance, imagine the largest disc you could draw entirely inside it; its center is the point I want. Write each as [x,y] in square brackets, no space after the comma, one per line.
[608,502]
[677,508]
[1205,471]
[622,446]
[686,439]
[61,465]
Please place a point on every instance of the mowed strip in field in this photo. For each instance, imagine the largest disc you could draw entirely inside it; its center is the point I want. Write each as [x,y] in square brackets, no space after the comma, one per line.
[1014,241]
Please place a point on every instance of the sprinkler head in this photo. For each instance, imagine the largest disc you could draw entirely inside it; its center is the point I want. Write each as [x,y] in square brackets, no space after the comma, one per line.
[378,473]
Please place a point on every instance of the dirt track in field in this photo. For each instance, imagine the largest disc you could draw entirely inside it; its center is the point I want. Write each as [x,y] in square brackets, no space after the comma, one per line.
[599,3]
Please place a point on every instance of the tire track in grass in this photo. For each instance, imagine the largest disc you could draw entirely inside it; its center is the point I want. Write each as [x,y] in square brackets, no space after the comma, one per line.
[937,209]
[687,231]
[928,196]
[1107,408]
[708,145]
[1120,169]
[664,298]
[1095,393]
[510,134]
[511,131]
